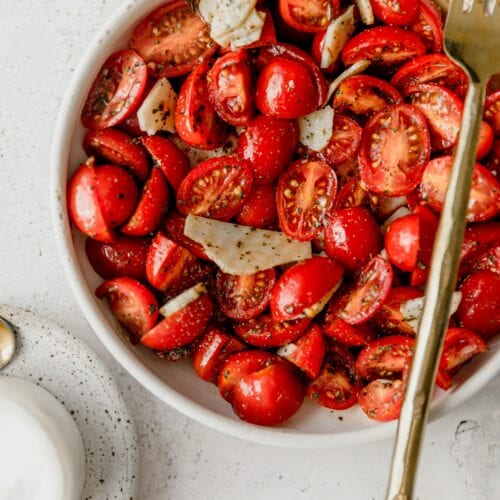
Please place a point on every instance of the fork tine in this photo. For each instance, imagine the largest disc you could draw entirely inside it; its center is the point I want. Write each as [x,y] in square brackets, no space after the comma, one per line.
[490,8]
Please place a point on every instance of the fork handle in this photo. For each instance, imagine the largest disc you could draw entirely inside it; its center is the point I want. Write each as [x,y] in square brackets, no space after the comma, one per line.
[440,286]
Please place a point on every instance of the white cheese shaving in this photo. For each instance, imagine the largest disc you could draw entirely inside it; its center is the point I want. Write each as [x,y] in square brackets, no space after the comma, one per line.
[315,309]
[357,68]
[249,32]
[400,212]
[157,111]
[365,11]
[182,300]
[241,250]
[338,32]
[316,129]
[286,350]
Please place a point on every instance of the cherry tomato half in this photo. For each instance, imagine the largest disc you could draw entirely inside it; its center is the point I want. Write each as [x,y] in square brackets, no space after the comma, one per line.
[492,111]
[309,16]
[344,142]
[382,399]
[429,25]
[396,12]
[259,209]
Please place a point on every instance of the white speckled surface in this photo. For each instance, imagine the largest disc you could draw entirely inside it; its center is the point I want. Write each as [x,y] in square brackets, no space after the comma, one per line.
[40,44]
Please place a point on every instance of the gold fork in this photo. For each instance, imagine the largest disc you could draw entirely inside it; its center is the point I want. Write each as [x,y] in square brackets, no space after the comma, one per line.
[472,40]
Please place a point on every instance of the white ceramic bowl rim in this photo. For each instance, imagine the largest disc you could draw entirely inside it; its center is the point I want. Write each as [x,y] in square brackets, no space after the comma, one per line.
[65,125]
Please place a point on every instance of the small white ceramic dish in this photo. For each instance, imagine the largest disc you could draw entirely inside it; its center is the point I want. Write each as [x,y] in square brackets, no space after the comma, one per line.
[177,384]
[60,363]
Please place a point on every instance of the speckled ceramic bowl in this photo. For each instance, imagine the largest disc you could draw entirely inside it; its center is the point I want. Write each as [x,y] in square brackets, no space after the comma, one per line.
[177,384]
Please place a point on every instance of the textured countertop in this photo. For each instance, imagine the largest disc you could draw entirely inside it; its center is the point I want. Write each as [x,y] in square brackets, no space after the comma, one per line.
[41,42]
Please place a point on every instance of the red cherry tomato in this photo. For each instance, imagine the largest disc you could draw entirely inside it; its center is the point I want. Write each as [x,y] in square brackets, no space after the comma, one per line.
[492,111]
[382,399]
[265,332]
[305,196]
[489,260]
[442,110]
[259,209]
[484,201]
[402,242]
[429,25]
[337,386]
[172,39]
[116,92]
[83,203]
[214,347]
[302,289]
[479,309]
[396,12]
[394,151]
[307,352]
[485,141]
[352,194]
[384,46]
[494,160]
[309,16]
[364,95]
[168,157]
[196,121]
[477,239]
[151,208]
[181,328]
[268,144]
[230,87]
[352,237]
[174,229]
[345,141]
[123,256]
[119,148]
[216,188]
[133,305]
[244,297]
[367,294]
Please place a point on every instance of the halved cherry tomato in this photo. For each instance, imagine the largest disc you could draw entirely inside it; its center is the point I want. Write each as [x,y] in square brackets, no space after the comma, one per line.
[265,332]
[492,111]
[307,352]
[494,160]
[345,231]
[396,12]
[216,188]
[309,16]
[384,46]
[182,327]
[402,242]
[244,297]
[214,347]
[442,110]
[123,256]
[485,141]
[305,196]
[382,399]
[395,149]
[84,207]
[364,95]
[174,229]
[460,346]
[484,201]
[489,260]
[479,309]
[119,148]
[429,25]
[230,87]
[196,121]
[344,142]
[168,157]
[387,357]
[268,144]
[367,294]
[390,318]
[259,209]
[116,91]
[133,305]
[172,39]
[151,208]
[352,194]
[305,288]
[337,386]
[477,239]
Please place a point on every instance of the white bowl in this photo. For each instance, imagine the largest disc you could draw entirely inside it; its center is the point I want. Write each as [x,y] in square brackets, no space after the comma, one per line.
[177,383]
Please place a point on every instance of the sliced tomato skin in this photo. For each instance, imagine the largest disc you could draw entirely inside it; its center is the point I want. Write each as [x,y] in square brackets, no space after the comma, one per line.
[217,188]
[382,399]
[122,257]
[295,14]
[118,148]
[151,208]
[492,111]
[400,13]
[302,286]
[174,229]
[268,144]
[168,157]
[429,25]
[133,305]
[402,242]
[172,29]
[116,91]
[485,141]
[244,297]
[311,187]
[181,328]
[259,209]
[345,141]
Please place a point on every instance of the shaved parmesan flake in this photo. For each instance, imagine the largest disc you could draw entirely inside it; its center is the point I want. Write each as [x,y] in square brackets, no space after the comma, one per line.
[241,250]
[400,212]
[365,11]
[157,111]
[357,68]
[315,309]
[225,16]
[250,31]
[337,34]
[207,9]
[196,155]
[182,300]
[286,350]
[316,129]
